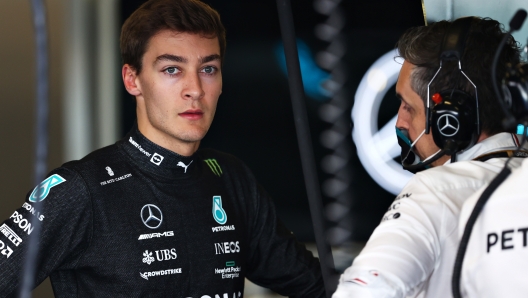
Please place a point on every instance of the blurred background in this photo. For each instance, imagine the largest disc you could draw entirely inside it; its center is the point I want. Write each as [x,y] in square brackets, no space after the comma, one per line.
[346,50]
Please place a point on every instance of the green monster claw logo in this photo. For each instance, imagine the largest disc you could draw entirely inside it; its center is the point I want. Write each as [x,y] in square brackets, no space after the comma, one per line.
[214,166]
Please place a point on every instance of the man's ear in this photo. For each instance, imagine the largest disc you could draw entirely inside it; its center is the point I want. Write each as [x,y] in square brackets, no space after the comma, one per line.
[130,80]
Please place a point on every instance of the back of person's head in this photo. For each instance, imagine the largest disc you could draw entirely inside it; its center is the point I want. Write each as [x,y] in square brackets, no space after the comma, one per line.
[184,16]
[421,46]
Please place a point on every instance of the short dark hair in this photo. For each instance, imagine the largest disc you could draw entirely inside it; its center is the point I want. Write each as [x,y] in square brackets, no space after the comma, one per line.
[189,16]
[421,46]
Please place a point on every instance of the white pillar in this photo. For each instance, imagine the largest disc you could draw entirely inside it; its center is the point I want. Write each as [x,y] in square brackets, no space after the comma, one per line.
[107,73]
[77,125]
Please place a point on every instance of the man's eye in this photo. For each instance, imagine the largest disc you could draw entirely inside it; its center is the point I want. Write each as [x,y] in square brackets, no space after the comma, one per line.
[171,70]
[209,69]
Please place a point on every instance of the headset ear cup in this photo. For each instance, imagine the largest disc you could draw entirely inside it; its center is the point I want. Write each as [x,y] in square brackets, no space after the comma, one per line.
[454,121]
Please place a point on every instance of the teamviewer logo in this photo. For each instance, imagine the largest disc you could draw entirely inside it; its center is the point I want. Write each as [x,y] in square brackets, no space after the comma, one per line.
[156,159]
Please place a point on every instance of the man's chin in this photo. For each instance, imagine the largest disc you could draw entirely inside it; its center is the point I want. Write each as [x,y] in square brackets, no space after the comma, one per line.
[192,137]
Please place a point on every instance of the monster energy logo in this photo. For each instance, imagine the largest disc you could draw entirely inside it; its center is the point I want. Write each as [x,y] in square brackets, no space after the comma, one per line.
[214,166]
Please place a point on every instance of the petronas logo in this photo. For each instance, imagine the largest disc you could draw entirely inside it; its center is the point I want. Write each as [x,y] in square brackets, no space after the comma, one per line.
[214,166]
[219,213]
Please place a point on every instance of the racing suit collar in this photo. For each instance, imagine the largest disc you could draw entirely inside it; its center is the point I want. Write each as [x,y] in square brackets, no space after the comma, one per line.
[498,142]
[156,159]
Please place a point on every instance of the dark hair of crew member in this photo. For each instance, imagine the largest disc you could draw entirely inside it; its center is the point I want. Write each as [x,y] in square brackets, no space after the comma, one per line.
[189,16]
[421,46]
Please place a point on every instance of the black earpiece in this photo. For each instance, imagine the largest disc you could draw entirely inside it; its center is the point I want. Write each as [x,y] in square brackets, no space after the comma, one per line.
[454,117]
[453,121]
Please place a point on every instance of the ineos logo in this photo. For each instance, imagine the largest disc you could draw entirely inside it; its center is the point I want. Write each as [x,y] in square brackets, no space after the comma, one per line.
[448,125]
[151,216]
[156,159]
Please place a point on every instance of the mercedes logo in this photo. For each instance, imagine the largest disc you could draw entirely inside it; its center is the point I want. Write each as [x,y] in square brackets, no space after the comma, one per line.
[376,148]
[448,125]
[151,216]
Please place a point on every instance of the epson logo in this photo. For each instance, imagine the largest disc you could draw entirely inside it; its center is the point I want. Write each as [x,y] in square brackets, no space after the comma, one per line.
[156,235]
[10,234]
[227,248]
[23,223]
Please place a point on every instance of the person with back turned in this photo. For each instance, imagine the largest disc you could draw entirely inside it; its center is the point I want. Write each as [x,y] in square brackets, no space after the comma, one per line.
[449,127]
[153,215]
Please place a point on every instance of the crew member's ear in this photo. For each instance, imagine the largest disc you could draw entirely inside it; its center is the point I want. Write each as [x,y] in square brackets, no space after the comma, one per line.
[130,80]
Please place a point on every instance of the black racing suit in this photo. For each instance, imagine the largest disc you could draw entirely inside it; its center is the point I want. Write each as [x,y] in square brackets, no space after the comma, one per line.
[134,220]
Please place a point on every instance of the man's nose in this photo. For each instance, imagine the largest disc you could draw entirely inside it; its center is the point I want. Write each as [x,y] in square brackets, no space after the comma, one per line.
[401,121]
[193,87]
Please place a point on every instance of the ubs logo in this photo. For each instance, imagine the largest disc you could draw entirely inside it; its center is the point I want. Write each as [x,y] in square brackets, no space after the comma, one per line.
[151,216]
[448,125]
[156,159]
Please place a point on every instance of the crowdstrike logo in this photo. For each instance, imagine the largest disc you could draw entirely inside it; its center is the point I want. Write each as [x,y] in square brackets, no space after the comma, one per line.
[139,147]
[146,275]
[156,159]
[448,125]
[151,216]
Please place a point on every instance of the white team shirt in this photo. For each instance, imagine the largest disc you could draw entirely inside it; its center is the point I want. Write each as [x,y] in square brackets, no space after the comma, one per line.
[496,260]
[412,251]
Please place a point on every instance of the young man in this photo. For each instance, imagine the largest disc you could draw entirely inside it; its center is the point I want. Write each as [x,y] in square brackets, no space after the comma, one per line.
[450,119]
[153,215]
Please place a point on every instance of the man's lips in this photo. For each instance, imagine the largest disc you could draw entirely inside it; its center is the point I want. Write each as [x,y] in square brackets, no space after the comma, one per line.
[192,114]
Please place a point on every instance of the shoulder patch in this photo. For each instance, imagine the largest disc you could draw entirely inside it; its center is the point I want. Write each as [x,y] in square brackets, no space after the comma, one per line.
[43,189]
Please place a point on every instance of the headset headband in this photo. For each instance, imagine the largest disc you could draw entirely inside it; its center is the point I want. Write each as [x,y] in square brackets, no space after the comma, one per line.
[455,38]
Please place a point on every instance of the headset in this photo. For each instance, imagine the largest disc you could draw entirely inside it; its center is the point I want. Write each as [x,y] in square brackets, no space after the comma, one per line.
[454,118]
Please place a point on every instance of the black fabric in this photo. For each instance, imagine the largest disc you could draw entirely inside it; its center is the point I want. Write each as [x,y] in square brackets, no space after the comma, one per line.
[95,243]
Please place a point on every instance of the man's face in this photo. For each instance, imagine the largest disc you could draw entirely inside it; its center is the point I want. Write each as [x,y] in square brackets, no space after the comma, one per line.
[411,115]
[177,89]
